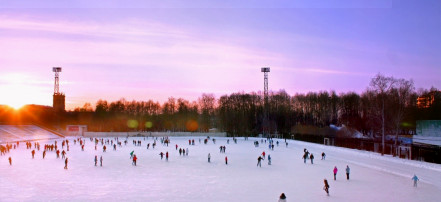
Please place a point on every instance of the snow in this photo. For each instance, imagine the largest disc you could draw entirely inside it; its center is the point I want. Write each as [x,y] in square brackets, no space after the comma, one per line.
[427,140]
[192,178]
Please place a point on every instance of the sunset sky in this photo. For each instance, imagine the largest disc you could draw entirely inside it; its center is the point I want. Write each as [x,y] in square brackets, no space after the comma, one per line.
[157,49]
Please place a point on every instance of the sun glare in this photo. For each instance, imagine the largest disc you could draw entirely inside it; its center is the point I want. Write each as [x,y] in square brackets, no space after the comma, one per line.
[16,106]
[16,91]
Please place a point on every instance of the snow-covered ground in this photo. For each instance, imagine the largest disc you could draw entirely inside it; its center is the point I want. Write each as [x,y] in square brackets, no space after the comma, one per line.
[192,178]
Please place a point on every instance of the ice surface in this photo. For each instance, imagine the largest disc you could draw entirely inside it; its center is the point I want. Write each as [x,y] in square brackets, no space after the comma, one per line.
[192,178]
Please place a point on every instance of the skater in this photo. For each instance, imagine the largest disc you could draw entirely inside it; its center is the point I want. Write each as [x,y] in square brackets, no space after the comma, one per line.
[305,156]
[323,155]
[186,152]
[282,197]
[415,180]
[259,159]
[209,157]
[166,156]
[33,153]
[180,151]
[326,187]
[335,173]
[131,154]
[312,158]
[63,153]
[134,160]
[104,148]
[58,153]
[101,161]
[44,153]
[176,147]
[263,155]
[161,154]
[269,159]
[347,172]
[226,160]
[10,161]
[96,160]
[65,163]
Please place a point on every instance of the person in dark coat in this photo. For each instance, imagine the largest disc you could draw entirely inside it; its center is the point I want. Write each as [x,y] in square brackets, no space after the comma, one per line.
[282,198]
[326,187]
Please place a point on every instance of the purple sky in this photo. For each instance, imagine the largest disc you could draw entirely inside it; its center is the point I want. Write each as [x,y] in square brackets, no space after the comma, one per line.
[157,49]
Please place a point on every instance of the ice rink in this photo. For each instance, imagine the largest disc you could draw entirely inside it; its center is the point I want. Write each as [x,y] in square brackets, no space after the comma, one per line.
[192,178]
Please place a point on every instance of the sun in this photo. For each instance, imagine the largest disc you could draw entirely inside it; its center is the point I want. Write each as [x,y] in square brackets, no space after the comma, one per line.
[16,106]
[18,90]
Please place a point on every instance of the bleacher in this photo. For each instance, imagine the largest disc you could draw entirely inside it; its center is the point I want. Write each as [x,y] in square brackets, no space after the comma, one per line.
[12,133]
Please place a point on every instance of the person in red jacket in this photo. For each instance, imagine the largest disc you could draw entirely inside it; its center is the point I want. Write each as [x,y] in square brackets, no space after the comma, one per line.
[33,153]
[134,160]
[166,156]
[226,160]
[58,153]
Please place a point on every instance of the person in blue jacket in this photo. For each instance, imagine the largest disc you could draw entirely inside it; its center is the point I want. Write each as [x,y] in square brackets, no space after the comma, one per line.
[348,170]
[415,180]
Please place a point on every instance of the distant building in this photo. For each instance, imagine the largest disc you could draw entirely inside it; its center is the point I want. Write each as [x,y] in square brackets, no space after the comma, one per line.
[427,100]
[428,132]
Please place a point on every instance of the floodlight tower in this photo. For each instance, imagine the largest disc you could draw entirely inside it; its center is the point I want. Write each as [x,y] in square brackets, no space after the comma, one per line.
[265,122]
[58,98]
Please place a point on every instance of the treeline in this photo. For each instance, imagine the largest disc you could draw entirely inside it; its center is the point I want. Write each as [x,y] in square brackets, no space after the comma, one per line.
[387,100]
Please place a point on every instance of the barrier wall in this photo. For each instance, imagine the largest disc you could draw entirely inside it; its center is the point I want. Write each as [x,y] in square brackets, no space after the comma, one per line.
[151,134]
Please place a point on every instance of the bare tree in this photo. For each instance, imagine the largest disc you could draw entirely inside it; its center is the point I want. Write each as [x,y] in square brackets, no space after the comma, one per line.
[381,85]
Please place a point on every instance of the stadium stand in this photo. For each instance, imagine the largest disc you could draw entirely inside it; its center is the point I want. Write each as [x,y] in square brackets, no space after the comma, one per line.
[12,133]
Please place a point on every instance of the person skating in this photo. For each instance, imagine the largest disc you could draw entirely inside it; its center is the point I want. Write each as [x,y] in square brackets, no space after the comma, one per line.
[415,180]
[269,159]
[166,156]
[161,154]
[209,157]
[180,151]
[10,161]
[101,161]
[44,154]
[134,160]
[335,173]
[186,152]
[65,163]
[348,170]
[323,155]
[96,160]
[259,159]
[326,187]
[104,148]
[58,153]
[305,156]
[312,158]
[33,153]
[282,198]
[131,154]
[263,155]
[63,153]
[226,160]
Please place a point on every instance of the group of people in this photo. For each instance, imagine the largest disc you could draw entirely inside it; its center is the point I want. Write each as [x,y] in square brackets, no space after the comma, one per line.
[166,141]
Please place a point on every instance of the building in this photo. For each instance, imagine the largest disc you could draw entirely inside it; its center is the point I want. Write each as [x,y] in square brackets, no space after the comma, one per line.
[427,100]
